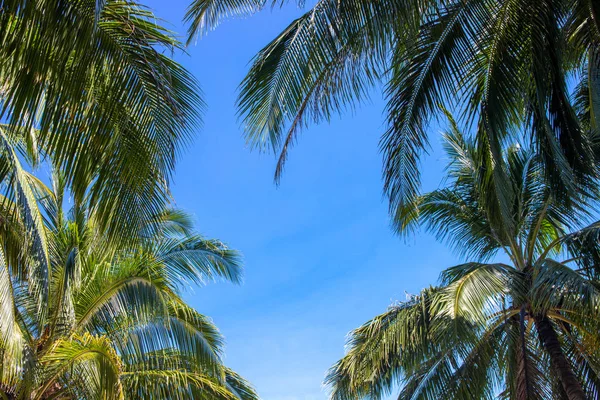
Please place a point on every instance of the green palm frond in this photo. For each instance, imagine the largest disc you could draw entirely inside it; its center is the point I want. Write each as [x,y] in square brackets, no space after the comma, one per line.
[205,15]
[174,384]
[181,338]
[12,342]
[583,247]
[311,71]
[170,222]
[473,290]
[22,194]
[113,110]
[196,326]
[420,75]
[556,286]
[382,348]
[198,260]
[132,288]
[239,386]
[507,64]
[92,358]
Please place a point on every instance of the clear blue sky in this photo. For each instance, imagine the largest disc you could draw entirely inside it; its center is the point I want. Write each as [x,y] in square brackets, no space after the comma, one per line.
[319,256]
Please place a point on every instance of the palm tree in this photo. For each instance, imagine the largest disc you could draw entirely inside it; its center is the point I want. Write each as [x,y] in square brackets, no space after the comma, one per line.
[507,64]
[522,329]
[95,81]
[90,302]
[112,324]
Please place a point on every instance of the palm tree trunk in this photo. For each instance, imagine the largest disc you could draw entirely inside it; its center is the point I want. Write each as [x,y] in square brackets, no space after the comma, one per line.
[560,364]
[522,367]
[522,378]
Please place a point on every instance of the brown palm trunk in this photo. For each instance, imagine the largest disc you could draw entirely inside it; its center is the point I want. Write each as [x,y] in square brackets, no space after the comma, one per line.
[560,364]
[522,378]
[522,367]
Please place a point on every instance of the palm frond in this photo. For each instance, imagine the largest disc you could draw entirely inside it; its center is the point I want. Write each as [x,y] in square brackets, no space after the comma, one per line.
[205,15]
[174,384]
[239,386]
[320,64]
[102,93]
[25,200]
[96,359]
[198,260]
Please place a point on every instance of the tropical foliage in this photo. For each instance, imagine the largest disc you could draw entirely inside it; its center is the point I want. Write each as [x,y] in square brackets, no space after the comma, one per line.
[110,107]
[81,318]
[526,328]
[90,298]
[506,64]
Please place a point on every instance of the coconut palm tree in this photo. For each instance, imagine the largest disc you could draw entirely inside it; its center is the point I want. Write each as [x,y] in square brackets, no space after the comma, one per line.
[90,299]
[519,322]
[112,323]
[95,81]
[505,63]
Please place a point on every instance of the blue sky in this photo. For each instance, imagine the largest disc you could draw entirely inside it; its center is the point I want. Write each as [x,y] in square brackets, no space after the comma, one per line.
[320,258]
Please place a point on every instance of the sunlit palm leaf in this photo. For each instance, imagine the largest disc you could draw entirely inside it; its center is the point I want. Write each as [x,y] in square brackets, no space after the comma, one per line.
[102,92]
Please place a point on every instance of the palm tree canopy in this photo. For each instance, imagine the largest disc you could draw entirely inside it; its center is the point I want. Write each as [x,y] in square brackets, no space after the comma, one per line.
[487,207]
[507,64]
[111,323]
[94,84]
[526,330]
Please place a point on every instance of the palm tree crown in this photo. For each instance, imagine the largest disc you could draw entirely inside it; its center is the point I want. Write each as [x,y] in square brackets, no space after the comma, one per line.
[525,329]
[95,81]
[112,323]
[507,64]
[90,304]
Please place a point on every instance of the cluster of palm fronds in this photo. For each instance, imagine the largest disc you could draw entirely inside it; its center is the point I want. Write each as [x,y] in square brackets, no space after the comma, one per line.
[82,318]
[111,109]
[89,299]
[527,329]
[90,304]
[518,71]
[505,64]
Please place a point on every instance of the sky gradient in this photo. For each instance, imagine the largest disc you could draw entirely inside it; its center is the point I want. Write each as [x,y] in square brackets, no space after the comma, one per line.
[320,258]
